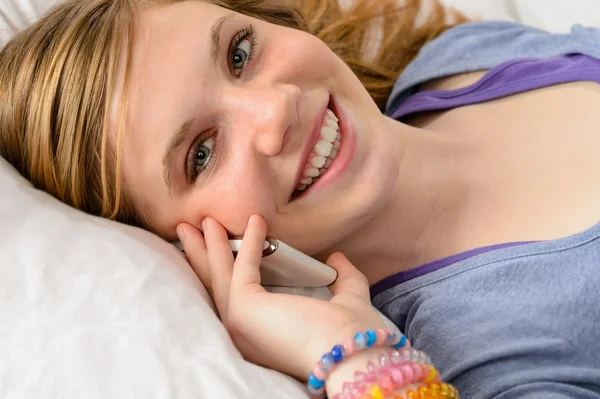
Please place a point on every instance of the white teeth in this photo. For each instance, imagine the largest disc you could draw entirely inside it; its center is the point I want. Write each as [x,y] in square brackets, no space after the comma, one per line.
[311,172]
[324,148]
[333,124]
[318,161]
[332,115]
[329,134]
[324,152]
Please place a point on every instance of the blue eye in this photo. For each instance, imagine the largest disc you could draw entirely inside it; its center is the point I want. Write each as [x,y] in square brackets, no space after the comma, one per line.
[201,157]
[241,54]
[241,50]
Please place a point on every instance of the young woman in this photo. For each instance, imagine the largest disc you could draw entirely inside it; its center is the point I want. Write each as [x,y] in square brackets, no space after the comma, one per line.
[469,207]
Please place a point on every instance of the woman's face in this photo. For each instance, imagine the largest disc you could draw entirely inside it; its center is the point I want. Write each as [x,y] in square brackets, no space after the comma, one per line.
[225,112]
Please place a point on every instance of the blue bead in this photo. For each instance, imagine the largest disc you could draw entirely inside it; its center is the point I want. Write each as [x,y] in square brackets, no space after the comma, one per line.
[315,382]
[316,391]
[327,361]
[360,341]
[390,338]
[401,343]
[371,338]
[336,352]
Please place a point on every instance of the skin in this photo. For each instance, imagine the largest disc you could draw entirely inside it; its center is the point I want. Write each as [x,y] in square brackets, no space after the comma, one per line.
[412,193]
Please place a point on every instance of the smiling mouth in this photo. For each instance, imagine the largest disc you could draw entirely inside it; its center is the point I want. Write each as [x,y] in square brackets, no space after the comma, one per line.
[322,155]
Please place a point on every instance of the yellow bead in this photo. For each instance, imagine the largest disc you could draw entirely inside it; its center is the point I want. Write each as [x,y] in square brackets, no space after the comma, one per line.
[444,390]
[376,392]
[422,391]
[432,374]
[411,395]
[452,392]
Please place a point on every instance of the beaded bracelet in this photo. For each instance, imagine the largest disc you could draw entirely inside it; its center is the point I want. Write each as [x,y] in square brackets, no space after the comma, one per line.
[396,370]
[438,390]
[430,391]
[328,362]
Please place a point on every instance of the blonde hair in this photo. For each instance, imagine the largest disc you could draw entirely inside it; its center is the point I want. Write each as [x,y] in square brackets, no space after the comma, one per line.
[57,78]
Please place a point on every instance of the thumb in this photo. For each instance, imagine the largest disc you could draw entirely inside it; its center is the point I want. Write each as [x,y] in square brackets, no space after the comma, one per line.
[350,280]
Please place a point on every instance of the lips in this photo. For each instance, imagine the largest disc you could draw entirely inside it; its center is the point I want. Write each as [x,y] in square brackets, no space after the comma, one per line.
[311,141]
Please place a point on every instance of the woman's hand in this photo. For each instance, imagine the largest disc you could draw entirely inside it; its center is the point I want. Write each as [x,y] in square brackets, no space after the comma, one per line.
[284,332]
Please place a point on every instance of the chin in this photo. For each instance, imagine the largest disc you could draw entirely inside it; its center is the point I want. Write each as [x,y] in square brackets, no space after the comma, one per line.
[331,227]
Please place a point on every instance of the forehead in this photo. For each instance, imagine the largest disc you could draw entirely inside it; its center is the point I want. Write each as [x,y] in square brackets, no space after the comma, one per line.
[165,39]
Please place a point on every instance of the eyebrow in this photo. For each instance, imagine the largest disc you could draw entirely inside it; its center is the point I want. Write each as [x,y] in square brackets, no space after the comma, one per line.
[216,35]
[175,142]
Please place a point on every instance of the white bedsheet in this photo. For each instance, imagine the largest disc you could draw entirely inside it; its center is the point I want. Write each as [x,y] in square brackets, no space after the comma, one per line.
[92,309]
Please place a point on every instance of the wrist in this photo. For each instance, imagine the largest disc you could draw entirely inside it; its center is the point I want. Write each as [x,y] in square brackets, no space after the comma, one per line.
[341,336]
[376,364]
[351,347]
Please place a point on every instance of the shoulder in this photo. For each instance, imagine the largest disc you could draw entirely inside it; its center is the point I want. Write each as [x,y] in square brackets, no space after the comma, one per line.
[480,46]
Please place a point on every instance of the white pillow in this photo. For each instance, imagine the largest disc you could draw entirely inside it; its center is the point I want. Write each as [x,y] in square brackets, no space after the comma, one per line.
[557,15]
[93,309]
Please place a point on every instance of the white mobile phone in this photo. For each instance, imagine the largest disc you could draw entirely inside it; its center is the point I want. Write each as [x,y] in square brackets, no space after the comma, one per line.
[285,266]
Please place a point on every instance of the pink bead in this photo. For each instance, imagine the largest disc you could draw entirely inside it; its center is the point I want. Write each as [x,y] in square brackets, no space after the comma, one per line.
[398,377]
[371,367]
[319,373]
[384,363]
[361,387]
[425,372]
[417,371]
[387,384]
[408,374]
[360,376]
[381,336]
[347,386]
[349,347]
[371,377]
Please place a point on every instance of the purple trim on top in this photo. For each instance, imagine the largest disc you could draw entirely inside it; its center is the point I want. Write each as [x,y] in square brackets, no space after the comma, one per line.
[511,77]
[431,267]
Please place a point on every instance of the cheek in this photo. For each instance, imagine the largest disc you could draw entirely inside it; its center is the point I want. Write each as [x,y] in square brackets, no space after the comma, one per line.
[233,199]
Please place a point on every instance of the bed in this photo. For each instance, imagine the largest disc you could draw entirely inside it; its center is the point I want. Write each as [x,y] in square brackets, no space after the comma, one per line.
[93,309]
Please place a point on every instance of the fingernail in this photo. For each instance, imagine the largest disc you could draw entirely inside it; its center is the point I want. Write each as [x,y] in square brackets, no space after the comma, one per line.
[180,233]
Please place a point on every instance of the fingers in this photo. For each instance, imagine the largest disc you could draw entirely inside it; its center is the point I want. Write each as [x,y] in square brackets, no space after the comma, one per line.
[220,261]
[195,251]
[247,264]
[350,279]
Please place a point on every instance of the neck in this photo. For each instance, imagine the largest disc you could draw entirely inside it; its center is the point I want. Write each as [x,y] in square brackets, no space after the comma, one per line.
[419,222]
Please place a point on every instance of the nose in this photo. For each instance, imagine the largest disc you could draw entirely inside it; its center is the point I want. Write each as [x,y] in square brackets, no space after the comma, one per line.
[265,114]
